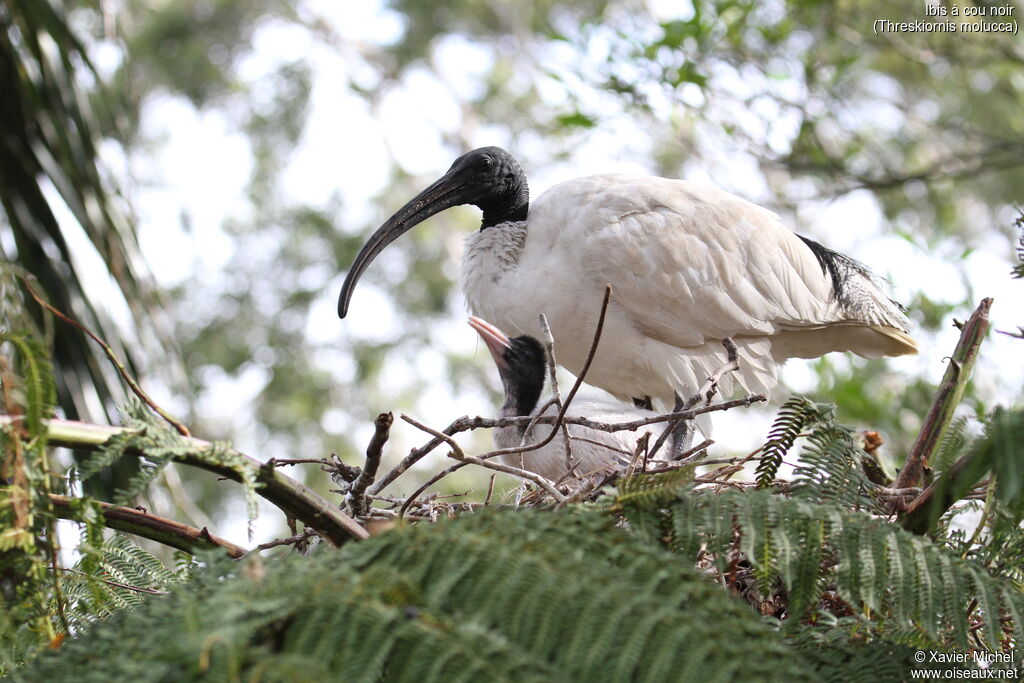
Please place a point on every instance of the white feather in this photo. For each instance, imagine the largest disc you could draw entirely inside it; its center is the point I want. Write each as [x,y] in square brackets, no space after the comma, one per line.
[689,265]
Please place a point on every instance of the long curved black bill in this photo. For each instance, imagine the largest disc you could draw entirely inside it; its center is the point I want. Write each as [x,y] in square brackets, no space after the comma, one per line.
[446,192]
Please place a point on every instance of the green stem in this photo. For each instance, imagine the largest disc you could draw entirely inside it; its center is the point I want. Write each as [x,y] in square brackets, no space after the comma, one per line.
[947,398]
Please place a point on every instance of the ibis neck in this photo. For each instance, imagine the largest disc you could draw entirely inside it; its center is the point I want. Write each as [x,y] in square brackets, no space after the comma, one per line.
[507,210]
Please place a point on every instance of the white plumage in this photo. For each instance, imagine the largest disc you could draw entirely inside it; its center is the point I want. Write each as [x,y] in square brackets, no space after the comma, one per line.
[689,265]
[521,364]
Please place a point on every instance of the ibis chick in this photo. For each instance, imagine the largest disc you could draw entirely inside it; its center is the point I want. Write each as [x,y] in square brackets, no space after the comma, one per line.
[522,364]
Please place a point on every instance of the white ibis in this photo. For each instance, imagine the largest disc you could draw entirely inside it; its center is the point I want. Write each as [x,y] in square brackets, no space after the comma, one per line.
[689,266]
[521,364]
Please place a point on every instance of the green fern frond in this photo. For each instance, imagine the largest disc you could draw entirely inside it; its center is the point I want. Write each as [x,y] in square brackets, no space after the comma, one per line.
[795,414]
[954,444]
[651,490]
[830,469]
[115,576]
[897,577]
[527,595]
[157,443]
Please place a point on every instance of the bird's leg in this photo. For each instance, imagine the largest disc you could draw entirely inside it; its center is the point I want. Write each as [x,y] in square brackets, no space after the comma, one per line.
[682,432]
[644,403]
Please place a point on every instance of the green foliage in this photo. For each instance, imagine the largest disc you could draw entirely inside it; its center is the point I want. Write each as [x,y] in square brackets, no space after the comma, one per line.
[515,595]
[35,372]
[27,541]
[115,575]
[830,469]
[880,570]
[795,414]
[156,443]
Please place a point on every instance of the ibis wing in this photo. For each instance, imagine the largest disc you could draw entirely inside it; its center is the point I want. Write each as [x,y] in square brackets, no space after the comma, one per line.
[692,264]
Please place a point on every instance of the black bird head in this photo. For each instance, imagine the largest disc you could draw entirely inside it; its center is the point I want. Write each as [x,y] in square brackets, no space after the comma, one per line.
[521,363]
[488,178]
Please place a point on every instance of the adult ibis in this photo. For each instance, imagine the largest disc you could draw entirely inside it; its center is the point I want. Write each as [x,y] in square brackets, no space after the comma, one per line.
[522,363]
[689,266]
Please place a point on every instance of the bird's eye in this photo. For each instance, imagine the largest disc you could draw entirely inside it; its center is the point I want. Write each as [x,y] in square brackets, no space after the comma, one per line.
[488,162]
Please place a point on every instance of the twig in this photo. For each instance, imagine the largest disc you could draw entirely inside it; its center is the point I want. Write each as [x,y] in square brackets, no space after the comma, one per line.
[283,491]
[470,423]
[490,490]
[355,499]
[706,392]
[416,455]
[428,483]
[538,417]
[572,392]
[484,422]
[458,454]
[947,398]
[291,540]
[115,584]
[693,454]
[115,361]
[549,345]
[153,527]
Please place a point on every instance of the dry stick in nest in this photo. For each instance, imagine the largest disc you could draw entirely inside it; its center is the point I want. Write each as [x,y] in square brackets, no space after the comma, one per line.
[706,392]
[556,398]
[922,511]
[357,503]
[466,423]
[458,454]
[115,361]
[153,527]
[291,540]
[445,436]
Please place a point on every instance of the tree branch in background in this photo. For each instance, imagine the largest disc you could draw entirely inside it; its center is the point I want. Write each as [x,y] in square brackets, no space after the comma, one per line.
[155,528]
[947,398]
[356,499]
[284,492]
[114,360]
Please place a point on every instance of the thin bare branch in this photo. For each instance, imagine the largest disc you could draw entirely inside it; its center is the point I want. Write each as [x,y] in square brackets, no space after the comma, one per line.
[115,361]
[115,584]
[417,454]
[458,454]
[556,398]
[291,540]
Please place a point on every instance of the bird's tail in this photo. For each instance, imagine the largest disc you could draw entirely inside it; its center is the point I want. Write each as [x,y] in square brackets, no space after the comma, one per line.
[903,344]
